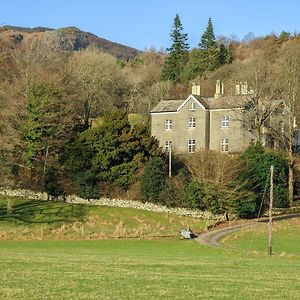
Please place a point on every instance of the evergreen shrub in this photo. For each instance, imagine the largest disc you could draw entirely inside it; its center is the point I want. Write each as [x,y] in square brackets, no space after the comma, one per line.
[153,180]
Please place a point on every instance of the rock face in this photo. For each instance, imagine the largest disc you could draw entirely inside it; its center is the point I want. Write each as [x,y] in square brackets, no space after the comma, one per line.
[16,38]
[65,39]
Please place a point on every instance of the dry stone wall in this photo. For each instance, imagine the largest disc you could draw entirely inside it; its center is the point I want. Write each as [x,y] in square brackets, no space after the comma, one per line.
[111,202]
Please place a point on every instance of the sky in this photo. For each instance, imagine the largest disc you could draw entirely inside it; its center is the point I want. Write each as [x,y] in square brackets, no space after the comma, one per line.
[147,23]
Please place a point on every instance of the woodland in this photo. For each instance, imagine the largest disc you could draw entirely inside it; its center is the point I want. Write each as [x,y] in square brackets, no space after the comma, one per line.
[78,121]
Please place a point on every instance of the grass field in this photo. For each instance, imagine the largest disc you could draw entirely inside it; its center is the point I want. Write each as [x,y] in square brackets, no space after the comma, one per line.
[62,221]
[141,269]
[160,268]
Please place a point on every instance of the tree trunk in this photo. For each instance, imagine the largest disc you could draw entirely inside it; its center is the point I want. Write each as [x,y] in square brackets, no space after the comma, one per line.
[258,135]
[8,205]
[291,182]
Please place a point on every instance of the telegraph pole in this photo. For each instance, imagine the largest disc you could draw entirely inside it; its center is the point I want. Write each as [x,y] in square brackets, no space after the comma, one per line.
[170,160]
[270,210]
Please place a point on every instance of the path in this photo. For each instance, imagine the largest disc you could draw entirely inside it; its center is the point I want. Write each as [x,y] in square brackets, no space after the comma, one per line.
[212,238]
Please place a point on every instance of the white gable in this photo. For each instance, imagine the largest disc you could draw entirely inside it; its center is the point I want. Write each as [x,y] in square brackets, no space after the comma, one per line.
[191,97]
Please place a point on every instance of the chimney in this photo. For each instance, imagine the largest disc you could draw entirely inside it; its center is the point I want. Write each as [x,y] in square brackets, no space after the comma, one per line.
[219,88]
[244,88]
[238,88]
[241,88]
[196,89]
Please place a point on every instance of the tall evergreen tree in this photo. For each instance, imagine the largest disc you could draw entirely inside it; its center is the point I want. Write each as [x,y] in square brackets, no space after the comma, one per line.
[178,53]
[208,57]
[208,39]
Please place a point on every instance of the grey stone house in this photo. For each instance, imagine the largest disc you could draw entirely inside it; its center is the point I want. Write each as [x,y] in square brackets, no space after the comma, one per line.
[198,123]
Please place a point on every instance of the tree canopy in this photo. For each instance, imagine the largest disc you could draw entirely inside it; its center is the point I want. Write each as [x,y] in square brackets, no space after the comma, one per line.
[208,39]
[177,53]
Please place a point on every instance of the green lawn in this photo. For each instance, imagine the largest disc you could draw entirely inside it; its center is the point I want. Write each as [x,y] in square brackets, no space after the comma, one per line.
[39,266]
[141,269]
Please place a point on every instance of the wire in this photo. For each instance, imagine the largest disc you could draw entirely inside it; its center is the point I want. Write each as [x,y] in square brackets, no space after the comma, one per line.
[259,211]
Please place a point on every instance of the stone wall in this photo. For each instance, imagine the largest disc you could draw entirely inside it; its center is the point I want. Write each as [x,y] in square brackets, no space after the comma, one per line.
[112,202]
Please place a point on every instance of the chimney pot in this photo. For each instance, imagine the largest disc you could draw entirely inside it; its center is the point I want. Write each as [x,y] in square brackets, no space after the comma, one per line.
[196,89]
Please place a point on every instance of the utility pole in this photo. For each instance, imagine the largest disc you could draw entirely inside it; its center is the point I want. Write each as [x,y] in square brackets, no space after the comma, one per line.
[170,160]
[270,210]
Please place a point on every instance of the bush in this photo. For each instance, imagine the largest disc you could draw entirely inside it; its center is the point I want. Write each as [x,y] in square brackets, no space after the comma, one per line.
[87,184]
[238,201]
[172,196]
[153,180]
[255,172]
[211,198]
[194,194]
[50,183]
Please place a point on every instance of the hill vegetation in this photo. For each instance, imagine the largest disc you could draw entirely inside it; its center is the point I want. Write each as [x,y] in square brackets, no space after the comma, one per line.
[64,39]
[64,116]
[40,220]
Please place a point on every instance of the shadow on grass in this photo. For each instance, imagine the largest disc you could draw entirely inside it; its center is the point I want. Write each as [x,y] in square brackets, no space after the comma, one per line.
[40,212]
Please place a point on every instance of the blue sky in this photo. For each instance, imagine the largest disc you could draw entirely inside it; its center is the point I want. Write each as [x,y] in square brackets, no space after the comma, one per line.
[146,23]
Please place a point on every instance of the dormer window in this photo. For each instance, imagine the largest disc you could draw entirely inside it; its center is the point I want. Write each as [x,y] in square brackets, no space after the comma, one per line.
[193,106]
[225,122]
[168,125]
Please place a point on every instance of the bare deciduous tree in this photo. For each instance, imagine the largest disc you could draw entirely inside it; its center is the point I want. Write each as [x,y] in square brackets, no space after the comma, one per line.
[290,75]
[260,99]
[98,82]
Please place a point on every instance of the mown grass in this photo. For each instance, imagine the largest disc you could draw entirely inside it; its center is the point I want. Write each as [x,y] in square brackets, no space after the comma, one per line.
[141,269]
[56,220]
[164,268]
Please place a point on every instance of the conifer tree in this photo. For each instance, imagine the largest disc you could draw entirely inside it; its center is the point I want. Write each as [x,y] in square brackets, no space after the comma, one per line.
[208,39]
[178,53]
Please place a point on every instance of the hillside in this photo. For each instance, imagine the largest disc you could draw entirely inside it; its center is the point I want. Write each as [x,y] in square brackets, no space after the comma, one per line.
[35,220]
[65,39]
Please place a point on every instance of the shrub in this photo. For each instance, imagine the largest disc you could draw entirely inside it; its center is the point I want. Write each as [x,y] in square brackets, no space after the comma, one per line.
[194,194]
[87,184]
[50,183]
[172,196]
[153,180]
[256,169]
[211,199]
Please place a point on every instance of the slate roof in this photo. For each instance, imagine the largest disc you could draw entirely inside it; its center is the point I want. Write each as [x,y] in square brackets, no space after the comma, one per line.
[167,106]
[222,102]
[226,102]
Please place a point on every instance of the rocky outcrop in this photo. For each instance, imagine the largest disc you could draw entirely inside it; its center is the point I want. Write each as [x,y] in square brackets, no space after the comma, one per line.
[65,39]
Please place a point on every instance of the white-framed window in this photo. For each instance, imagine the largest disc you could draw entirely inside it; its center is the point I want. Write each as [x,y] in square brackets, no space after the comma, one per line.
[192,106]
[168,144]
[168,125]
[192,122]
[191,146]
[224,145]
[225,122]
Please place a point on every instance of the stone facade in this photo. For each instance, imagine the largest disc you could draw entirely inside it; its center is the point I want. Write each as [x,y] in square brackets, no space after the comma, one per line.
[200,123]
[182,129]
[237,135]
